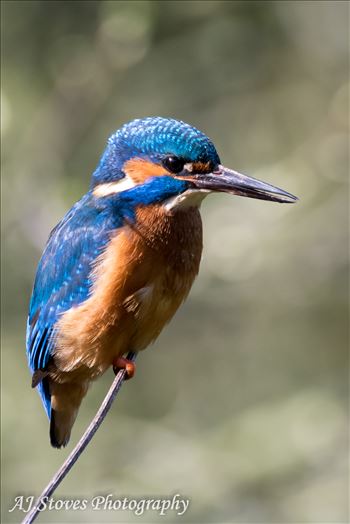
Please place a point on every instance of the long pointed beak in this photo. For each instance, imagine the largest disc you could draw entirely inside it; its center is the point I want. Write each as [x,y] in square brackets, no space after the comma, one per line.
[229,181]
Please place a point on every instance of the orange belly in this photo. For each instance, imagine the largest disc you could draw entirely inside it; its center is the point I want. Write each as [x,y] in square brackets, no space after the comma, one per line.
[139,282]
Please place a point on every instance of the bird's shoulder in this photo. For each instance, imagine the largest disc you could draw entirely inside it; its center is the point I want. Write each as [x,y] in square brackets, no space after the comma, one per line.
[63,277]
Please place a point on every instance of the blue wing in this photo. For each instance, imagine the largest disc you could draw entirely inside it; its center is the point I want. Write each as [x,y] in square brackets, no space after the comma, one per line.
[63,278]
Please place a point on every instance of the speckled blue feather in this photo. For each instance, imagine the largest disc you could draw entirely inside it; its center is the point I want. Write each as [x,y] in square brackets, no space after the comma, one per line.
[63,278]
[152,138]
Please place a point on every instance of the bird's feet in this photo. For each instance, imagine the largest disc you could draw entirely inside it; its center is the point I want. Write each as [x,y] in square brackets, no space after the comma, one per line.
[123,363]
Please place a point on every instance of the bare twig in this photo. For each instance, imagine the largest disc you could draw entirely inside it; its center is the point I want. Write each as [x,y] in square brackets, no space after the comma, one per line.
[79,448]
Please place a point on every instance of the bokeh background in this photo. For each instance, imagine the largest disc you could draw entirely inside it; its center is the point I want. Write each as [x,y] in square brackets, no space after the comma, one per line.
[241,405]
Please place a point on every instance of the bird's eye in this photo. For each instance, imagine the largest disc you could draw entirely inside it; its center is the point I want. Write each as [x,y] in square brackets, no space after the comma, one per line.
[173,163]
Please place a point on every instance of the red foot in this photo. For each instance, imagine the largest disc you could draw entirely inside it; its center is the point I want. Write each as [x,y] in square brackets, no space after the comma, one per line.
[124,363]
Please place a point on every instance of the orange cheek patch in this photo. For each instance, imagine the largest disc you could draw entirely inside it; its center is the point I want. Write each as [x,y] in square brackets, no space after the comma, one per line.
[140,170]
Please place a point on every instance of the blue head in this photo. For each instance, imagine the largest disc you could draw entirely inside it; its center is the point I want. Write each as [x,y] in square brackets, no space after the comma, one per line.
[152,139]
[155,159]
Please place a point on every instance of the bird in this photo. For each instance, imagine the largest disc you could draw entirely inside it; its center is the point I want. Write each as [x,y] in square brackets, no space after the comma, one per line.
[123,259]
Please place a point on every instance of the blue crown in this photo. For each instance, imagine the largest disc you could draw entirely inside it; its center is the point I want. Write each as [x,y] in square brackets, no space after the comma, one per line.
[152,138]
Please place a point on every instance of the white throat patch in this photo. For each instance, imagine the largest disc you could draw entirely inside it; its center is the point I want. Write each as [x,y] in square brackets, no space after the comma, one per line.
[190,198]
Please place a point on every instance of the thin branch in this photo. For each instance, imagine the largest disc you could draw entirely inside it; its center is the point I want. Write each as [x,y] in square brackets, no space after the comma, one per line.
[79,448]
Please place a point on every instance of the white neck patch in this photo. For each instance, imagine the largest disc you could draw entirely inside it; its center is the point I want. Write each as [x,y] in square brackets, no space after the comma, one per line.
[110,188]
[190,198]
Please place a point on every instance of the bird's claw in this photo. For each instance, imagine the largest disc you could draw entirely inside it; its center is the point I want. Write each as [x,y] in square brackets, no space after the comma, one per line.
[123,363]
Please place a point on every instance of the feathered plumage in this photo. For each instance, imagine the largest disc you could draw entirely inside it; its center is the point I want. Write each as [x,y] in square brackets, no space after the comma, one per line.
[121,261]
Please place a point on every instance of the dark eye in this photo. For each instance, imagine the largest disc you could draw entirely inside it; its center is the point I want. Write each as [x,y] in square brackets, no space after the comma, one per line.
[173,163]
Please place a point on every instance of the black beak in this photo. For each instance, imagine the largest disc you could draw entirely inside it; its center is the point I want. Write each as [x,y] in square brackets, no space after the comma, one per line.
[226,180]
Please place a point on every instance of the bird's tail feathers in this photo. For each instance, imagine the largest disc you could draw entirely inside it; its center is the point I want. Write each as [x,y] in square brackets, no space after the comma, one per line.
[65,402]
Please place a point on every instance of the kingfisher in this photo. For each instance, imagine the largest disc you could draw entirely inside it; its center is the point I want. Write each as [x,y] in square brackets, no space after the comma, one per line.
[122,260]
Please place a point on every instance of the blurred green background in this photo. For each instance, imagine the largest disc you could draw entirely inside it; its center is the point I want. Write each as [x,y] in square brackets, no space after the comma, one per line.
[241,405]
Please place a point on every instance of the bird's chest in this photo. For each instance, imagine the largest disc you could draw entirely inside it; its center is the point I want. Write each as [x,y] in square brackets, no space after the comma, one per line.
[172,241]
[139,282]
[169,250]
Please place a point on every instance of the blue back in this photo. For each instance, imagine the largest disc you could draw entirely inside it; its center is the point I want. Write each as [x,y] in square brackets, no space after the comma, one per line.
[63,277]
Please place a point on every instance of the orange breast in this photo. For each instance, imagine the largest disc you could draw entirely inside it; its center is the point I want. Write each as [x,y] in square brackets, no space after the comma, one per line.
[140,281]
